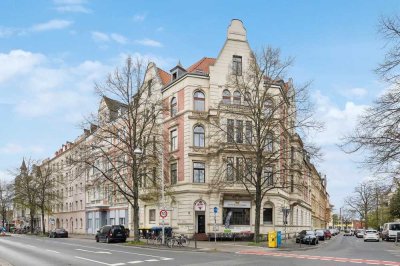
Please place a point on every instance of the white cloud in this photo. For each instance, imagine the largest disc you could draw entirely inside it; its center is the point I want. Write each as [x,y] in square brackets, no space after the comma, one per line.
[74,6]
[55,24]
[12,148]
[139,17]
[100,36]
[119,38]
[149,42]
[104,37]
[18,62]
[358,92]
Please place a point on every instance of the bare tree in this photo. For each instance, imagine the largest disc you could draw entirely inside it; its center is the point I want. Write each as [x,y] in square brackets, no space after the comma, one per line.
[259,132]
[122,151]
[6,197]
[347,217]
[25,190]
[46,185]
[376,135]
[362,201]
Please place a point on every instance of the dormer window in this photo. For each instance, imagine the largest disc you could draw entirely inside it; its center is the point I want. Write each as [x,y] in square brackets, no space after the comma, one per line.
[174,76]
[237,65]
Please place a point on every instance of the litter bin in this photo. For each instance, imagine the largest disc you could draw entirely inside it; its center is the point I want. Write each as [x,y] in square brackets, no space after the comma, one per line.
[272,242]
[279,239]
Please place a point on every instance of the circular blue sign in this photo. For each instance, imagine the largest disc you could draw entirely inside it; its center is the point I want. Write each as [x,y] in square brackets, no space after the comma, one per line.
[215,209]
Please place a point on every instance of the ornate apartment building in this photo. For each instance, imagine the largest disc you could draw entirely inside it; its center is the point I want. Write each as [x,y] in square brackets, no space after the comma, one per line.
[203,159]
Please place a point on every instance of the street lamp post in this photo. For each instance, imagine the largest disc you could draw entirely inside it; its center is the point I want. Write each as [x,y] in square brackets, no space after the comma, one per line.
[138,152]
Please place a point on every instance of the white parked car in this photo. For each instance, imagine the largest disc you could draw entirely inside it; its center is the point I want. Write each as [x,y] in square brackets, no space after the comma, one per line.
[390,231]
[360,233]
[371,235]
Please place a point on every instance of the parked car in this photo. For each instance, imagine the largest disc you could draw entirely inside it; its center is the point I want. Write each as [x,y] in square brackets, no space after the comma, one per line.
[371,235]
[307,237]
[328,234]
[390,230]
[320,234]
[360,233]
[111,233]
[58,232]
[333,231]
[347,232]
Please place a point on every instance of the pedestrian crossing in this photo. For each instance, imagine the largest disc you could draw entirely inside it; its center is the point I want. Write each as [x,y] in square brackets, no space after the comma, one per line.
[321,258]
[394,252]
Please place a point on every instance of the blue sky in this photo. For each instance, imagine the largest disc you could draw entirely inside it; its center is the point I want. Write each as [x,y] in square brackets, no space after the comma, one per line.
[51,53]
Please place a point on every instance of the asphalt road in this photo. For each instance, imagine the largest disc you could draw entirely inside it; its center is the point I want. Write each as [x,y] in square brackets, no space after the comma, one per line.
[22,250]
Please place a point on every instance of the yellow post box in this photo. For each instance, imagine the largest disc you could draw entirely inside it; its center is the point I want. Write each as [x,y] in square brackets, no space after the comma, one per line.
[272,239]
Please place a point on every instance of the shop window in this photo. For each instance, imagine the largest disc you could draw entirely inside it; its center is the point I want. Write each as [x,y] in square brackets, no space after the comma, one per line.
[236,216]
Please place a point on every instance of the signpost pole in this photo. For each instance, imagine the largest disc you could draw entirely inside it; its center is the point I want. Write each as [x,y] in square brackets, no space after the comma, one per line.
[215,225]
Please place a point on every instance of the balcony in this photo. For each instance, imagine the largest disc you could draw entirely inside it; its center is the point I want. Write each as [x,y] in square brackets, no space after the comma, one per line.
[98,204]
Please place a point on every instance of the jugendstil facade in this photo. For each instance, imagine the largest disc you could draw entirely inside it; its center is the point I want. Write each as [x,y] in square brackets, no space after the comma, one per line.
[201,160]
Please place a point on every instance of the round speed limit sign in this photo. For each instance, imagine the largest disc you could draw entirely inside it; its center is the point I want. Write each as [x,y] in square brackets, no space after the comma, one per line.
[163,213]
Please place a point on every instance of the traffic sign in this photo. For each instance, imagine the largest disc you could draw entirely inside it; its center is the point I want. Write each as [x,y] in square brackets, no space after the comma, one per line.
[163,213]
[215,209]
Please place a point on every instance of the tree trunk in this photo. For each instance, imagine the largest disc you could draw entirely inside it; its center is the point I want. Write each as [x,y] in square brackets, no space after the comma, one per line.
[257,218]
[31,222]
[43,225]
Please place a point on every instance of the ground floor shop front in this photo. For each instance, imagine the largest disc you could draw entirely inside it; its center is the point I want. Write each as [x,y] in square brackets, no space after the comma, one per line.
[194,213]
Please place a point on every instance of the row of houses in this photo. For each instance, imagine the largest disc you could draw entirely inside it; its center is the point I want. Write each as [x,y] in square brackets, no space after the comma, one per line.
[195,154]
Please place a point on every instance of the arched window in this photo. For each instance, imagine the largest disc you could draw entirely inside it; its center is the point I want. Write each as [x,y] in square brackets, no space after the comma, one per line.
[226,97]
[174,107]
[268,107]
[237,98]
[198,136]
[199,101]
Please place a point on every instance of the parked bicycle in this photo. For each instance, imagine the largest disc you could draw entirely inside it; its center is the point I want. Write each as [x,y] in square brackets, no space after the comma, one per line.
[154,239]
[180,241]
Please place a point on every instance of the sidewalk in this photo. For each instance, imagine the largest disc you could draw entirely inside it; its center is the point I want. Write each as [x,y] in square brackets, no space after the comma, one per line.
[220,246]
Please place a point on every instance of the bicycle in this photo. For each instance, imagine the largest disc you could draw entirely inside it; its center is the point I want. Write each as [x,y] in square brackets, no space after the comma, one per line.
[155,239]
[180,241]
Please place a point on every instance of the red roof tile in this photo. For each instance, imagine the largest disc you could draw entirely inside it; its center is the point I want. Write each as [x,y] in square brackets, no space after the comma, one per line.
[202,65]
[165,77]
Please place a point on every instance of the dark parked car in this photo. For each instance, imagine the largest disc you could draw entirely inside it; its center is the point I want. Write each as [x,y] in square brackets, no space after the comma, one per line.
[320,234]
[59,232]
[111,233]
[307,237]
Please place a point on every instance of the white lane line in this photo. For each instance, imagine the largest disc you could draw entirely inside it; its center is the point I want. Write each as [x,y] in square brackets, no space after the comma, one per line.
[167,259]
[117,264]
[92,260]
[135,261]
[90,251]
[52,251]
[151,260]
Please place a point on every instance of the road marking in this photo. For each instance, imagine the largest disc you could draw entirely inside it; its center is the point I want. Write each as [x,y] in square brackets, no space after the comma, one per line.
[135,261]
[151,260]
[97,252]
[92,260]
[167,259]
[117,264]
[52,251]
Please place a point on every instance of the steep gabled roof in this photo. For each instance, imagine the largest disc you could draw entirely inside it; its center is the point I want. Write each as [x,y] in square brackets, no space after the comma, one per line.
[203,65]
[165,77]
[112,104]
